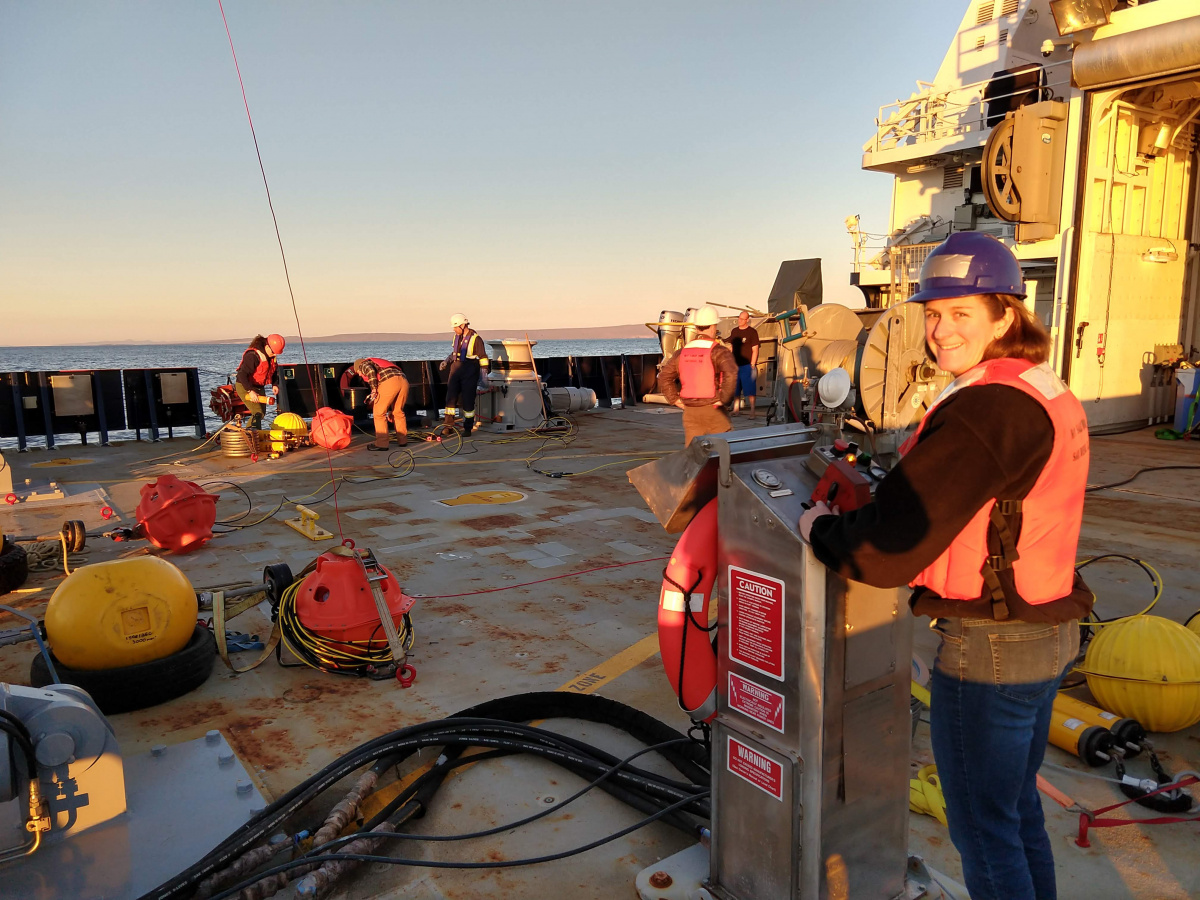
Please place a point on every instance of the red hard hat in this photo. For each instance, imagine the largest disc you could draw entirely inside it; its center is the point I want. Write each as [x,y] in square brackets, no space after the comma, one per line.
[276,343]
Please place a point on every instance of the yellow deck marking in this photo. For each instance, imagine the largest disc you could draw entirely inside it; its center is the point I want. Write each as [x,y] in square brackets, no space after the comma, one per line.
[587,683]
[631,657]
[482,498]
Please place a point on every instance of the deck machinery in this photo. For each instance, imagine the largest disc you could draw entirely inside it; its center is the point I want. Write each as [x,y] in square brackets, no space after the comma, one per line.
[811,736]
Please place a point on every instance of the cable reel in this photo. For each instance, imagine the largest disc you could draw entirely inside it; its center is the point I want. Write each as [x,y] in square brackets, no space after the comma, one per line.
[999,188]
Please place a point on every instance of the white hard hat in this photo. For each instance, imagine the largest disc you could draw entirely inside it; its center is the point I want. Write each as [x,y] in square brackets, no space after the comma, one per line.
[457,320]
[707,315]
[834,387]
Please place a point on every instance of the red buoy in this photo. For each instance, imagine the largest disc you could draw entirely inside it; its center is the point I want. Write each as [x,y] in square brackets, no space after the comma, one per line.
[176,515]
[335,600]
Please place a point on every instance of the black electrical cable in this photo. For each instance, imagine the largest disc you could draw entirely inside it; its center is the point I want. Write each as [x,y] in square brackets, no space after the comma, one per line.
[438,864]
[401,743]
[520,823]
[1115,484]
[241,490]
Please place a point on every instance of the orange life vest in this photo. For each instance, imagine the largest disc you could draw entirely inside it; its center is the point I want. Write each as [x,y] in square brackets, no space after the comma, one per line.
[265,373]
[383,363]
[1051,515]
[697,374]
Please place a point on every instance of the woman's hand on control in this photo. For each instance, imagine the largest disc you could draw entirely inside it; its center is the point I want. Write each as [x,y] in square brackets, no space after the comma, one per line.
[811,515]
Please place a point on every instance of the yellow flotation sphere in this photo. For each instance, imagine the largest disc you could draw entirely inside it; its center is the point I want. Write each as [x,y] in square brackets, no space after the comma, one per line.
[121,613]
[1146,668]
[1193,623]
[290,421]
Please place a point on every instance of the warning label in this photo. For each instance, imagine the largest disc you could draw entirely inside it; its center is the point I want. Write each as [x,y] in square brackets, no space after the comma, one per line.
[756,621]
[759,703]
[750,765]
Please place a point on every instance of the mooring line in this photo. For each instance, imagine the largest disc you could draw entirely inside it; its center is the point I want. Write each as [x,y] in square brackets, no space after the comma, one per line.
[279,239]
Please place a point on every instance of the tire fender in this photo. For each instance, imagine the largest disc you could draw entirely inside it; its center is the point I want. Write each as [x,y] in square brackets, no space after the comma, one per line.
[686,646]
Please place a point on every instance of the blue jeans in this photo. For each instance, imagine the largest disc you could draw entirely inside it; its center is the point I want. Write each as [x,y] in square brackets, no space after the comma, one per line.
[745,381]
[993,688]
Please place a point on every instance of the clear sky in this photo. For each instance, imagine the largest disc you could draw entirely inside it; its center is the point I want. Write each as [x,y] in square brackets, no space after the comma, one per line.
[533,164]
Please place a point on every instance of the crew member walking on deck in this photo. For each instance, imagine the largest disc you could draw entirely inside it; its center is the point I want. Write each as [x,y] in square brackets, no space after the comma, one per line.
[981,517]
[389,393]
[255,380]
[700,379]
[466,361]
[744,342]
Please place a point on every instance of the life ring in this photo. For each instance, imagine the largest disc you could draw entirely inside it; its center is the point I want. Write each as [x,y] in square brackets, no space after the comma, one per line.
[684,639]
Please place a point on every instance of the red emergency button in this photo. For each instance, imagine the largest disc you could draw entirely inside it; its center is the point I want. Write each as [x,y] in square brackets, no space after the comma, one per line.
[840,446]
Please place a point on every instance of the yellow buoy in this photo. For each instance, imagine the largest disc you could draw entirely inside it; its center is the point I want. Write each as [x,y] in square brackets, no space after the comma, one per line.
[1146,668]
[1193,623]
[290,421]
[120,613]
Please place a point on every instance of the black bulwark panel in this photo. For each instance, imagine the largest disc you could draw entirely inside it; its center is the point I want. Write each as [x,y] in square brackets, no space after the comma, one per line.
[65,402]
[163,398]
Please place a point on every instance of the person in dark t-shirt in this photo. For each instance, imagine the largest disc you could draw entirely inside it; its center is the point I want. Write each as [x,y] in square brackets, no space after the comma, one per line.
[744,341]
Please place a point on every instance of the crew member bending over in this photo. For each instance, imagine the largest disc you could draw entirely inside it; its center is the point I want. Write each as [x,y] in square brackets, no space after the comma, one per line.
[466,361]
[981,518]
[389,393]
[255,380]
[700,379]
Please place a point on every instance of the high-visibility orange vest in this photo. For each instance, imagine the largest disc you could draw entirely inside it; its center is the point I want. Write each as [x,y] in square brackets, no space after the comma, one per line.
[697,375]
[265,373]
[1052,513]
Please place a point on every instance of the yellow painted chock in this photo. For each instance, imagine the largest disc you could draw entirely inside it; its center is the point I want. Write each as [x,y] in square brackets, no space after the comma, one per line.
[306,524]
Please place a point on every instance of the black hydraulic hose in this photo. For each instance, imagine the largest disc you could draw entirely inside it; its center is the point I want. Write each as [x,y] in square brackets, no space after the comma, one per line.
[15,729]
[690,761]
[423,792]
[251,833]
[440,864]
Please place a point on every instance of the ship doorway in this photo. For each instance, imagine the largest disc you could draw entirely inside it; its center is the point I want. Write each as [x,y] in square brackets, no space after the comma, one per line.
[1135,289]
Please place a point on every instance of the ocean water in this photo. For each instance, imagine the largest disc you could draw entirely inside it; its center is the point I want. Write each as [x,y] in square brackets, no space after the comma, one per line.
[215,362]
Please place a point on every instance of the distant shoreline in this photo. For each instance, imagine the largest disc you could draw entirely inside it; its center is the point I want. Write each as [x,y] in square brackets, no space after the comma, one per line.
[600,332]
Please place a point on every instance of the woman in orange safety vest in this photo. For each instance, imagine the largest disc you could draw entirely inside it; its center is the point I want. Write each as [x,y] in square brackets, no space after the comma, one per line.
[981,517]
[255,381]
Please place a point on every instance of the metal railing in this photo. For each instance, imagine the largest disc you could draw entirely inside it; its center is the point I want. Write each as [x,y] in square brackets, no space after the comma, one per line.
[932,116]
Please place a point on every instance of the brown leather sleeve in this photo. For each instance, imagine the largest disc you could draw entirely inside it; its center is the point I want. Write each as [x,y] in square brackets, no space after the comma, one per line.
[668,379]
[726,371]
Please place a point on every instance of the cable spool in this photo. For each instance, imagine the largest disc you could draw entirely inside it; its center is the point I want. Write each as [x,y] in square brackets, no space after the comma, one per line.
[1091,743]
[238,443]
[828,325]
[838,355]
[1127,733]
[1146,668]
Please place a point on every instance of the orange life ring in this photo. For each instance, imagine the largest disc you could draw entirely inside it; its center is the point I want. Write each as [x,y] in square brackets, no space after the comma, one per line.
[683,638]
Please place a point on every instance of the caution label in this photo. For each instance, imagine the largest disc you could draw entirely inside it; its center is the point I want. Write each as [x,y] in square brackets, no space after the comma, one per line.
[750,765]
[756,702]
[756,621]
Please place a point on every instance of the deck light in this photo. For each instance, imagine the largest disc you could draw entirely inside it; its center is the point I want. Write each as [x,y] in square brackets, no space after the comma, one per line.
[1072,16]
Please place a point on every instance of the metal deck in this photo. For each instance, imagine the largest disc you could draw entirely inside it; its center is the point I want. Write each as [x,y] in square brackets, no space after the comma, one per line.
[586,632]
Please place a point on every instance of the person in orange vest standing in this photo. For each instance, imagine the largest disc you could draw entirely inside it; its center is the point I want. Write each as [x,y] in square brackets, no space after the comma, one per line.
[255,380]
[389,393]
[981,517]
[467,360]
[700,379]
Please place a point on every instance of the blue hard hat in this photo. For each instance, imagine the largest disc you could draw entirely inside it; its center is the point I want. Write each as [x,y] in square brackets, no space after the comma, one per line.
[966,263]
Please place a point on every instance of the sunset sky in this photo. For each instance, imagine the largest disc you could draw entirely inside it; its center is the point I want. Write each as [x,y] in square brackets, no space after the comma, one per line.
[532,164]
